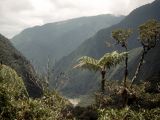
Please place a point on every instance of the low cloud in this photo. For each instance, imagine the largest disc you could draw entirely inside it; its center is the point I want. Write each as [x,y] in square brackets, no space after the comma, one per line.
[17,15]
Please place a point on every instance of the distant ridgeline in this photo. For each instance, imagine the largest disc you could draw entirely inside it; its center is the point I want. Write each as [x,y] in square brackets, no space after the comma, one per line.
[11,57]
[81,82]
[54,40]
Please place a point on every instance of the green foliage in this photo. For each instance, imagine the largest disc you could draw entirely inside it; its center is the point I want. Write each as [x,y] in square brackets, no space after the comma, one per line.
[10,80]
[149,32]
[96,46]
[15,103]
[108,60]
[101,65]
[121,36]
[112,59]
[137,96]
[143,106]
[90,63]
[13,58]
[11,89]
[112,98]
[49,107]
[128,114]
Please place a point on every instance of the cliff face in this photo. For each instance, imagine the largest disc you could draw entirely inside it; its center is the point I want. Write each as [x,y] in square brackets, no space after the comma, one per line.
[13,58]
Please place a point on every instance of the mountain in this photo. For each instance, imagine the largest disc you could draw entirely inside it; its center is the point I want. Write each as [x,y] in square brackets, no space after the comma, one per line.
[81,82]
[55,40]
[13,58]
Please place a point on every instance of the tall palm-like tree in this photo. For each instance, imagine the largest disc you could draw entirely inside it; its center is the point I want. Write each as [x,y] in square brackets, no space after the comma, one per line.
[121,36]
[149,34]
[102,65]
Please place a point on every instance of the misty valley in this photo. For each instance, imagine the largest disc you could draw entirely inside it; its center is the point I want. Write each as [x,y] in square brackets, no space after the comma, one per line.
[94,67]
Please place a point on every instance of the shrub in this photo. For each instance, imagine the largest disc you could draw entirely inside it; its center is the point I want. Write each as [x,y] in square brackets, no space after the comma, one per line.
[128,114]
[15,103]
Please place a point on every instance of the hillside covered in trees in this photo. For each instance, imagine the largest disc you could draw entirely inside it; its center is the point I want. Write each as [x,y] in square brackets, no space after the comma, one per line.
[54,40]
[13,58]
[113,75]
[116,100]
[81,82]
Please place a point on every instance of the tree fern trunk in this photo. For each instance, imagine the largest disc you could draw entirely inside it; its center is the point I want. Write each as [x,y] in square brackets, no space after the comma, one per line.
[103,73]
[126,68]
[125,93]
[125,97]
[138,68]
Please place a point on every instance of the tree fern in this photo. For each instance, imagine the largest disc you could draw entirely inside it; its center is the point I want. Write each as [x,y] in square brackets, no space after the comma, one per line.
[90,63]
[103,64]
[121,36]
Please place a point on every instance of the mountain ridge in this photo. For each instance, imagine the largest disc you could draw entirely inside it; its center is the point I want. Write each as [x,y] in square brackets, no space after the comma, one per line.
[59,39]
[13,58]
[96,47]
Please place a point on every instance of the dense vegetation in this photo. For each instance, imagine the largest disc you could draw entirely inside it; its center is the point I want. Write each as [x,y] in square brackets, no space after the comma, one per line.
[16,104]
[128,98]
[81,82]
[103,64]
[117,101]
[13,58]
[118,96]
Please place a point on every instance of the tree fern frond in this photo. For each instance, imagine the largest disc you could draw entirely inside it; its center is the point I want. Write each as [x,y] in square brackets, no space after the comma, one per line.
[90,63]
[108,60]
[112,59]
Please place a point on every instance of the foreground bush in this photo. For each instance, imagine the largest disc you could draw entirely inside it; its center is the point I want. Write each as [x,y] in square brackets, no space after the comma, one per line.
[16,104]
[128,114]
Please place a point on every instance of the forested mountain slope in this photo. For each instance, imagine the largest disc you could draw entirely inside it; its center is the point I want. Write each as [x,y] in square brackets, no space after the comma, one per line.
[55,40]
[80,82]
[13,58]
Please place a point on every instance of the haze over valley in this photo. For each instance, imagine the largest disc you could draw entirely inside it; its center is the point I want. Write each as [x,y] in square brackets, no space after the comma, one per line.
[79,60]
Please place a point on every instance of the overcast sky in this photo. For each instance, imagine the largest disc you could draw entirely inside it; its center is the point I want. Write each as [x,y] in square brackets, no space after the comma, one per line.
[16,15]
